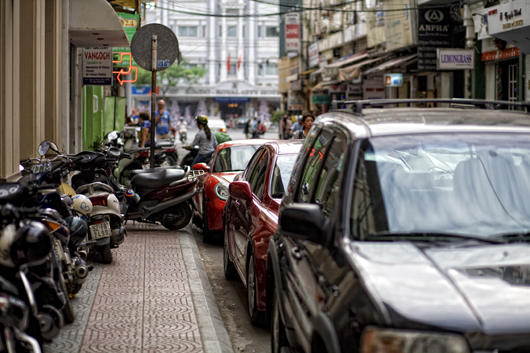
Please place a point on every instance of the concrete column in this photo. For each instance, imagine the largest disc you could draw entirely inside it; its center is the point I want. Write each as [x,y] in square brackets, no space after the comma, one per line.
[526,83]
[32,77]
[53,63]
[65,78]
[253,41]
[212,61]
[489,70]
[224,54]
[241,71]
[9,88]
[446,85]
[76,103]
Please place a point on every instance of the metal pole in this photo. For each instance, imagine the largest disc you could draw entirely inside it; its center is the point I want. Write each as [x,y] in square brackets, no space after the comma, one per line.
[153,98]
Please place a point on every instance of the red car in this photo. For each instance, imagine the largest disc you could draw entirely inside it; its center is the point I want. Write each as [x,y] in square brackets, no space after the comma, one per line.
[229,159]
[251,217]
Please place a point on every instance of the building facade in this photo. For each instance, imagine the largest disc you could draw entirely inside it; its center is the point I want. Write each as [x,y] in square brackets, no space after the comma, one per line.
[236,46]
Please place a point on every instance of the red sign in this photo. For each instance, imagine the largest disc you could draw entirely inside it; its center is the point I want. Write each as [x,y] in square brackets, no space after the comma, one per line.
[500,54]
[292,31]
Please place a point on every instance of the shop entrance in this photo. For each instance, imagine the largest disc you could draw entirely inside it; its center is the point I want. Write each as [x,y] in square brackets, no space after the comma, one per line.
[231,110]
[506,80]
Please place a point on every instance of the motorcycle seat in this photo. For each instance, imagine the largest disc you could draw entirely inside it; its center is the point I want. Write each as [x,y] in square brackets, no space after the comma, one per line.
[144,171]
[152,179]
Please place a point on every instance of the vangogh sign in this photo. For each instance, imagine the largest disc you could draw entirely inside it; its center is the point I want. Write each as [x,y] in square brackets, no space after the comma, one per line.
[97,66]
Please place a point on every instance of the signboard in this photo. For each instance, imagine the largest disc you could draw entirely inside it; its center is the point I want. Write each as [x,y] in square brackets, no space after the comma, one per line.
[393,80]
[511,22]
[292,32]
[373,89]
[320,99]
[294,101]
[455,59]
[500,54]
[167,46]
[97,66]
[313,55]
[398,23]
[437,28]
[130,24]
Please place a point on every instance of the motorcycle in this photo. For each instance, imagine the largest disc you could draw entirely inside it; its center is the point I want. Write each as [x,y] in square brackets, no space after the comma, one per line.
[189,157]
[162,195]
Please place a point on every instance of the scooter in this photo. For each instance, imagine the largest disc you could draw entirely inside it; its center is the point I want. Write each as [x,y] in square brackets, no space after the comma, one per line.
[162,195]
[189,157]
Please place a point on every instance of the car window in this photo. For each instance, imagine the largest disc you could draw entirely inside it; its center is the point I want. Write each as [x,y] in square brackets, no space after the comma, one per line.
[250,167]
[282,174]
[234,158]
[314,161]
[329,179]
[257,176]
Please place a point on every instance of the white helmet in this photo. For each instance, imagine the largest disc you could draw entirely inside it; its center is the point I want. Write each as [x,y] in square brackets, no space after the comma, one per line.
[82,204]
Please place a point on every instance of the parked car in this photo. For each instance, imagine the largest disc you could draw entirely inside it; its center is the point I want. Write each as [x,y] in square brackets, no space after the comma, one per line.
[406,230]
[229,159]
[251,217]
[217,124]
[242,121]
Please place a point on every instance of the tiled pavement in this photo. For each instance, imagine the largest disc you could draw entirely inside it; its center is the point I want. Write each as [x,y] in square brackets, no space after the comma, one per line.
[154,297]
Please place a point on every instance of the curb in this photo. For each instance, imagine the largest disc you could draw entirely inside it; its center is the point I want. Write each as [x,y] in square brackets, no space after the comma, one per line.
[214,336]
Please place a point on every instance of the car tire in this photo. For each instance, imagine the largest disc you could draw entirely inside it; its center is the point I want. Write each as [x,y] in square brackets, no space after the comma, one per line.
[278,334]
[256,317]
[228,266]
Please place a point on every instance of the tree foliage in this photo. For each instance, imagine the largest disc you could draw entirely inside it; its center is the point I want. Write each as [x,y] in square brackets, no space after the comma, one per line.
[276,116]
[171,77]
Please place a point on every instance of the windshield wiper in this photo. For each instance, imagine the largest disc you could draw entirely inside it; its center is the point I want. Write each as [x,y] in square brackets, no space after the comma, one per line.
[509,237]
[386,235]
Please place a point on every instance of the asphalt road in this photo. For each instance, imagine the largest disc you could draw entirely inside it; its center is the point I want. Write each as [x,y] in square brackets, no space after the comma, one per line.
[231,300]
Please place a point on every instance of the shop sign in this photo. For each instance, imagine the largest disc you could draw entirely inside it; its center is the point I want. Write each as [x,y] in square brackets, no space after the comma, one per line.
[343,87]
[292,32]
[320,99]
[130,24]
[456,59]
[97,66]
[294,101]
[373,89]
[393,80]
[437,28]
[313,55]
[500,54]
[399,24]
[510,22]
[296,85]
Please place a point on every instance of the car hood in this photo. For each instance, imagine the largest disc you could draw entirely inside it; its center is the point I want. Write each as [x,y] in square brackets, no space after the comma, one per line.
[482,288]
[228,176]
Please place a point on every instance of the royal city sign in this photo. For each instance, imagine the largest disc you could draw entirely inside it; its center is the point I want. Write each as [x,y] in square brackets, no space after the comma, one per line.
[455,59]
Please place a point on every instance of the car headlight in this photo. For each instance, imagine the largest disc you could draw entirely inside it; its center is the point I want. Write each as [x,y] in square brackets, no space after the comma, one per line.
[221,190]
[376,340]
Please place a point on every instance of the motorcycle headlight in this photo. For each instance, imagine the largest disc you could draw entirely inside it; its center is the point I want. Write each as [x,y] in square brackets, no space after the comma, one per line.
[376,340]
[221,190]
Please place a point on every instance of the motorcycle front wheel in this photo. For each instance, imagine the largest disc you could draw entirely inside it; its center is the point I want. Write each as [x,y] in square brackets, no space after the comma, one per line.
[177,217]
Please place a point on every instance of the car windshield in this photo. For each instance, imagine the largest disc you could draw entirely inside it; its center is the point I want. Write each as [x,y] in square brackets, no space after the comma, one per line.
[233,158]
[282,174]
[467,184]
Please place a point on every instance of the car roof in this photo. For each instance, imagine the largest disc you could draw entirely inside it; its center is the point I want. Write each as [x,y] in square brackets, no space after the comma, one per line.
[286,146]
[397,121]
[243,143]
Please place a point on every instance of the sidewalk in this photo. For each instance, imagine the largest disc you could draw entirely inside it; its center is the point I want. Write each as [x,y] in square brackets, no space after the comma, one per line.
[154,297]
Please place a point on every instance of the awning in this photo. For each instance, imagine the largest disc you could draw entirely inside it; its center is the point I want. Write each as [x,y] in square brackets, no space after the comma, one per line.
[352,72]
[323,85]
[95,24]
[391,64]
[314,75]
[348,60]
[307,72]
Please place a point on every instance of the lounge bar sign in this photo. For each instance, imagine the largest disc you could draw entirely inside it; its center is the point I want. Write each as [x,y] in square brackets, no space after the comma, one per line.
[511,23]
[455,59]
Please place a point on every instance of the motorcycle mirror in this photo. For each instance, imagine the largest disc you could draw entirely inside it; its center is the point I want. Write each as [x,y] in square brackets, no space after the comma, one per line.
[43,148]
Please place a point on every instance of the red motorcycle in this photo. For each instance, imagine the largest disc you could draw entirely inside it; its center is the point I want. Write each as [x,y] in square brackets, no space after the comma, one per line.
[162,195]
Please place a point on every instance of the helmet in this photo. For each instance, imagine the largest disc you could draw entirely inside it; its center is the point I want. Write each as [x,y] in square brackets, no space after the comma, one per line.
[82,204]
[202,119]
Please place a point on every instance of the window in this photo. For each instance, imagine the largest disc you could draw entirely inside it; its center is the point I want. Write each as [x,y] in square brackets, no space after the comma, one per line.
[233,159]
[329,180]
[232,32]
[312,166]
[204,31]
[282,174]
[271,69]
[259,31]
[243,34]
[257,176]
[272,32]
[187,31]
[233,69]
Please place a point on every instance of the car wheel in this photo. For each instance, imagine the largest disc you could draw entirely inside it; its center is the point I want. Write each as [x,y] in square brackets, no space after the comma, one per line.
[278,335]
[228,266]
[256,317]
[205,231]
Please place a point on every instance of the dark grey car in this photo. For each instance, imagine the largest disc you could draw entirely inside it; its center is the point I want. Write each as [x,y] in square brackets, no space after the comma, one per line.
[406,230]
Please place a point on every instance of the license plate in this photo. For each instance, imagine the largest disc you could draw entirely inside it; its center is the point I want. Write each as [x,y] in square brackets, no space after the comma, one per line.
[58,249]
[100,230]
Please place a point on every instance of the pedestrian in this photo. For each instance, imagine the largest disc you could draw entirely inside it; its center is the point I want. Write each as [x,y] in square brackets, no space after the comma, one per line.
[285,127]
[254,125]
[298,125]
[205,139]
[246,128]
[307,122]
[162,122]
[145,125]
[134,118]
[259,131]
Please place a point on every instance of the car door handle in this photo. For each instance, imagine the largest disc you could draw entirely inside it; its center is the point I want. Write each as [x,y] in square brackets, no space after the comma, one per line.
[296,253]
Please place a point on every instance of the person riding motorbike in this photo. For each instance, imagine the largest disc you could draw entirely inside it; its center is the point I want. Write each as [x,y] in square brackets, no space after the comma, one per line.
[145,124]
[205,139]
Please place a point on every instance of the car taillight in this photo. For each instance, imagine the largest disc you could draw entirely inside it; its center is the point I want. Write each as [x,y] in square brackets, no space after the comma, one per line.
[99,200]
[144,154]
[223,130]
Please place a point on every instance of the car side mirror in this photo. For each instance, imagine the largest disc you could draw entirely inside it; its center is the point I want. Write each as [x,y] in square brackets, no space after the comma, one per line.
[303,222]
[240,190]
[201,166]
